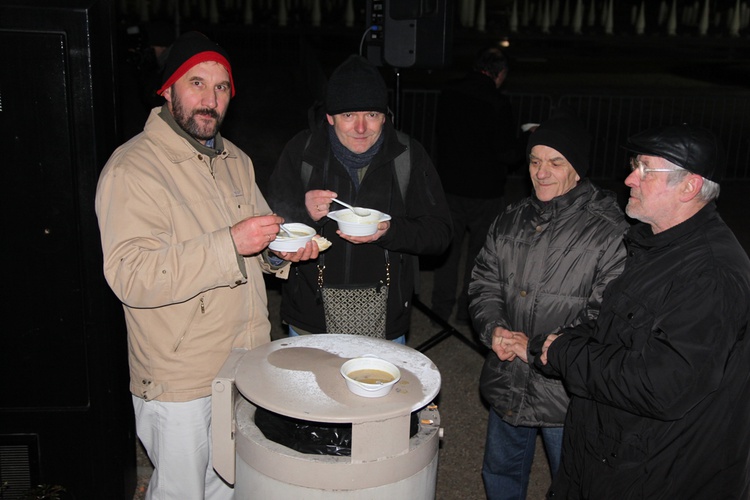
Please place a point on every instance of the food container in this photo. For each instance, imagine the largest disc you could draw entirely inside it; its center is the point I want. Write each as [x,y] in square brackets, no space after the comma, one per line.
[354,225]
[299,378]
[370,376]
[302,234]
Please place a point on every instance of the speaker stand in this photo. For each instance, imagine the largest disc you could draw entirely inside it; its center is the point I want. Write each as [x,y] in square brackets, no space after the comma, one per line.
[447,331]
[397,99]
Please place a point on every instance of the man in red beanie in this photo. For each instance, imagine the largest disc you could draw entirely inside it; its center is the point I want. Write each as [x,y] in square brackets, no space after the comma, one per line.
[185,232]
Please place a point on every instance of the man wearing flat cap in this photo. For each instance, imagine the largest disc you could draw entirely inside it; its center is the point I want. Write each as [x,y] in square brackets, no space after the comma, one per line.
[660,381]
[355,154]
[184,234]
[545,264]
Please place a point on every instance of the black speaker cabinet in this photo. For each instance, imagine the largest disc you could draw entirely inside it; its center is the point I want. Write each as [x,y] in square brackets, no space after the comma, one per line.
[65,410]
[409,33]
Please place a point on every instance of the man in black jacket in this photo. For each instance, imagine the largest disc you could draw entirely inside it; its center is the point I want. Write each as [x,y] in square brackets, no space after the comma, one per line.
[477,145]
[352,156]
[546,262]
[660,381]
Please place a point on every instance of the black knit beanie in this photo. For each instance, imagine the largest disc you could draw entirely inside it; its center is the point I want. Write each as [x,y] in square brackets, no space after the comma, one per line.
[356,85]
[566,133]
[188,50]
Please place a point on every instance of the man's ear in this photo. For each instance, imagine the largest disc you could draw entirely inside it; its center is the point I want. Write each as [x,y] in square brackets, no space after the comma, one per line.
[691,186]
[167,94]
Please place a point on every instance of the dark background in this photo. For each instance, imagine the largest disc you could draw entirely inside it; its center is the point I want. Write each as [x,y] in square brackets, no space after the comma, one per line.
[79,77]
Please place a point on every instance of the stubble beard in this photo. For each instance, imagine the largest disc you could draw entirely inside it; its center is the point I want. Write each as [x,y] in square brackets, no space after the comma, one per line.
[187,122]
[631,210]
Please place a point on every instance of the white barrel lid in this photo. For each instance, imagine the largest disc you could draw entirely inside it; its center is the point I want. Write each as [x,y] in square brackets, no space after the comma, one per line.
[299,377]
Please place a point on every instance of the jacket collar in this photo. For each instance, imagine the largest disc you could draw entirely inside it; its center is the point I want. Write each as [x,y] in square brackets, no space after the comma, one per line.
[641,234]
[177,144]
[572,198]
[481,80]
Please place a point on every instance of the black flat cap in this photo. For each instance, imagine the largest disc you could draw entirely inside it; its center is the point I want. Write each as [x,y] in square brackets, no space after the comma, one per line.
[693,148]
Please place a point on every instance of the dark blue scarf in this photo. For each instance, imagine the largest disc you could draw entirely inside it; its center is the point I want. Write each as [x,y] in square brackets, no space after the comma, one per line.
[353,162]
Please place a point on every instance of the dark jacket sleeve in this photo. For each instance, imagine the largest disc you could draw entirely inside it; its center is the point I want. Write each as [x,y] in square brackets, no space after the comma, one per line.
[487,308]
[285,187]
[670,366]
[426,227]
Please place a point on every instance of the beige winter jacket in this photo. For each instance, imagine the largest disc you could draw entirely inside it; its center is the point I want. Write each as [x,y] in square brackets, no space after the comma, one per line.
[164,213]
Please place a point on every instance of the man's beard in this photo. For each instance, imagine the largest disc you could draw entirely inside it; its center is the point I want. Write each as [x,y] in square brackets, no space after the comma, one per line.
[187,122]
[631,210]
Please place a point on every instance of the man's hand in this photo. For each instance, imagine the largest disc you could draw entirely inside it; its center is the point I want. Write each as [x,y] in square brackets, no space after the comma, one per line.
[308,252]
[545,347]
[253,234]
[358,240]
[509,345]
[318,203]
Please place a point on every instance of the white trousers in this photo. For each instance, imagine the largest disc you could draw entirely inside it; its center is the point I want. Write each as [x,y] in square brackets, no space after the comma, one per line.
[177,438]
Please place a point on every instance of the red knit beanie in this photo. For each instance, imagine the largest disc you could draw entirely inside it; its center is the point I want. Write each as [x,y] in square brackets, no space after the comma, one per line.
[188,50]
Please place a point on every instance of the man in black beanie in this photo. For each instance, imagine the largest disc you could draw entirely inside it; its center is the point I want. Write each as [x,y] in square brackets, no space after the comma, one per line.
[355,154]
[184,233]
[545,265]
[565,132]
[475,126]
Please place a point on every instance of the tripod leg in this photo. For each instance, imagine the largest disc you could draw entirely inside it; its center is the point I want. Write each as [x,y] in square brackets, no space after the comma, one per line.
[443,334]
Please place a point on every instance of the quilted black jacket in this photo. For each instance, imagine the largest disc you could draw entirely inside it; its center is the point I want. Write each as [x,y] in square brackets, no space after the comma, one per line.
[544,266]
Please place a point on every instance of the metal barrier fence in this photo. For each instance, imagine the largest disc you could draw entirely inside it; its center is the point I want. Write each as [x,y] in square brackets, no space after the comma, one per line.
[611,119]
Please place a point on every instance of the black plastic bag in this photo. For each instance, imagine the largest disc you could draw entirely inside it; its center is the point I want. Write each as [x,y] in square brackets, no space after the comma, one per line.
[303,436]
[313,438]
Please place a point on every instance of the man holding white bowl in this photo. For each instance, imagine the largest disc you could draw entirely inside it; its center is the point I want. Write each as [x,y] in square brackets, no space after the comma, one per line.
[364,283]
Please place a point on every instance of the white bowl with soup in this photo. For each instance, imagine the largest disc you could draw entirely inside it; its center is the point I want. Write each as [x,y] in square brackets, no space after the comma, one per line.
[370,376]
[301,234]
[354,225]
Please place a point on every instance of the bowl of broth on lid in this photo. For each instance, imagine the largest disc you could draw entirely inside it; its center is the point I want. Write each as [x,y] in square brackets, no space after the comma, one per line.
[370,376]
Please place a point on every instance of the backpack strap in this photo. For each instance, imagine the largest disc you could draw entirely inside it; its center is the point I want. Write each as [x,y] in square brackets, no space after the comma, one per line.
[402,164]
[306,172]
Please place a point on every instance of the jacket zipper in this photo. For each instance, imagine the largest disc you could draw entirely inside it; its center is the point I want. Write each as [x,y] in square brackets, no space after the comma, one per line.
[221,196]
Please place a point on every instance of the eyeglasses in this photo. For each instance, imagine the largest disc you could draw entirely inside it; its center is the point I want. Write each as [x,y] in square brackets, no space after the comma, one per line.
[635,163]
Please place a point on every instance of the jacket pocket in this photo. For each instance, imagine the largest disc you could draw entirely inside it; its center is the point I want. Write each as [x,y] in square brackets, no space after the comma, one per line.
[634,322]
[243,210]
[619,452]
[496,382]
[185,330]
[404,285]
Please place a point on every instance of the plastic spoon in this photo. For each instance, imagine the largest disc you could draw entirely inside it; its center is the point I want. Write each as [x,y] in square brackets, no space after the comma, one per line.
[357,211]
[288,232]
